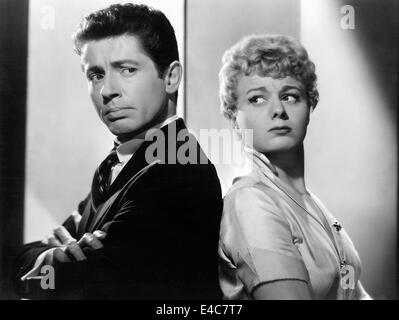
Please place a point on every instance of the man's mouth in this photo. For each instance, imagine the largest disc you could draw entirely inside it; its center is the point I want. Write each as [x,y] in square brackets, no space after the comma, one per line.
[111,111]
[115,113]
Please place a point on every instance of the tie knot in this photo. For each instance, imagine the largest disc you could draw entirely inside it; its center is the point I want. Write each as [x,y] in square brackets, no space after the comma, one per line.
[109,161]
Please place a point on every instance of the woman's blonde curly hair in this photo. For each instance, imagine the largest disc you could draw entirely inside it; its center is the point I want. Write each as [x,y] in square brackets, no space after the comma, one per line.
[274,56]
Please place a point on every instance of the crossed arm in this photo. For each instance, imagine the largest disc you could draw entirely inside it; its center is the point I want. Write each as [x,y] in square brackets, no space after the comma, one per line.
[65,248]
[164,225]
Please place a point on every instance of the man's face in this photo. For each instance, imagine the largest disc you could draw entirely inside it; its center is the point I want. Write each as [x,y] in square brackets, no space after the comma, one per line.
[124,85]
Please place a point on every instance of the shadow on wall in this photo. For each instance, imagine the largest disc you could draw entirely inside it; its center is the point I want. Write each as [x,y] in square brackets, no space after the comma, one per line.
[353,130]
[13,51]
[377,32]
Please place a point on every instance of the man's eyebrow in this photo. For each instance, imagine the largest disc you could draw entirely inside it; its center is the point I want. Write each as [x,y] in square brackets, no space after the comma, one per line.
[118,63]
[90,69]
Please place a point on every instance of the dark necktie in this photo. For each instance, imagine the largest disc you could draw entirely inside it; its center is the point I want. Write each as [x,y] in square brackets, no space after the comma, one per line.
[102,178]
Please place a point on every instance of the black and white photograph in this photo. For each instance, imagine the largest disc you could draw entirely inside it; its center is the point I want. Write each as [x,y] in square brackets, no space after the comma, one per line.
[207,150]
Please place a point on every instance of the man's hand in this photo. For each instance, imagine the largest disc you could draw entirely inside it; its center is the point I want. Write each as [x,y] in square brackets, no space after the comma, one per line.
[53,239]
[68,248]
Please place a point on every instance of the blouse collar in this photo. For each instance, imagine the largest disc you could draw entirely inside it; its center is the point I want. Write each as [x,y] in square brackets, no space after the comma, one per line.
[261,162]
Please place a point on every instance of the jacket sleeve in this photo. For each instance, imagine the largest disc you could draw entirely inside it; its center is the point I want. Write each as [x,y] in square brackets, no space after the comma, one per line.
[161,242]
[28,254]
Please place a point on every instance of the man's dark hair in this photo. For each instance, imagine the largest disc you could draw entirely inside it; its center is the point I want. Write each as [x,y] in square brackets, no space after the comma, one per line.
[151,26]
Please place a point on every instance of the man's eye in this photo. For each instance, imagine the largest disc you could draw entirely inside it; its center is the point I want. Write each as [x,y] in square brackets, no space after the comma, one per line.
[95,77]
[256,100]
[128,71]
[290,98]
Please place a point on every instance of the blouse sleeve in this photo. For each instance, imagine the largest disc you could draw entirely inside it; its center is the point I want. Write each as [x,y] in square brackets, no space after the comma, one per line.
[258,239]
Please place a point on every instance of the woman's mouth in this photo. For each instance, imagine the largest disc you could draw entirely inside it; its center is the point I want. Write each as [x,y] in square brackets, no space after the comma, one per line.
[280,129]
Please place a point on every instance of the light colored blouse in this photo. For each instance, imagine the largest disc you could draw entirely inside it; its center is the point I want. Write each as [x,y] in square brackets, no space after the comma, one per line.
[268,234]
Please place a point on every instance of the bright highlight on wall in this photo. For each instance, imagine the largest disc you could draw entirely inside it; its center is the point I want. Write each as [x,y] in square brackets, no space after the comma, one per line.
[352,143]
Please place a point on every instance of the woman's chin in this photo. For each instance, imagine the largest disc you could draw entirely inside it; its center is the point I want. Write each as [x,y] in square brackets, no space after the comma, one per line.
[279,148]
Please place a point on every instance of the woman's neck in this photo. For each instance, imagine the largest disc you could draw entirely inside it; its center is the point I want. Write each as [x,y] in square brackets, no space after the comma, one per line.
[290,168]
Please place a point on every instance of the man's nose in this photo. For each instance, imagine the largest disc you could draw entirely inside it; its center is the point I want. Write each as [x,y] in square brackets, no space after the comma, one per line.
[110,89]
[278,109]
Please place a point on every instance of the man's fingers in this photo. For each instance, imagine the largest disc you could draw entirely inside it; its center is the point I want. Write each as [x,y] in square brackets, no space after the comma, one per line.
[74,250]
[53,241]
[76,218]
[49,256]
[60,256]
[99,234]
[90,240]
[63,235]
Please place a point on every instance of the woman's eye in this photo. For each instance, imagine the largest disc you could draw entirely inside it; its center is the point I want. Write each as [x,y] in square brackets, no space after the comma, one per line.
[128,71]
[290,98]
[256,100]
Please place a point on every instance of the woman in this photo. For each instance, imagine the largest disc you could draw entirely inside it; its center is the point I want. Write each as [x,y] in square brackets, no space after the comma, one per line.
[277,239]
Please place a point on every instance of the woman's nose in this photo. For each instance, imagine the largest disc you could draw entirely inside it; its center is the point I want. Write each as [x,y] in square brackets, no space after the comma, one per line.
[278,110]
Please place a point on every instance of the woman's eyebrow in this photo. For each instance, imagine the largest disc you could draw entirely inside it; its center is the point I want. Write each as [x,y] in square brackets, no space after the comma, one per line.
[296,87]
[262,88]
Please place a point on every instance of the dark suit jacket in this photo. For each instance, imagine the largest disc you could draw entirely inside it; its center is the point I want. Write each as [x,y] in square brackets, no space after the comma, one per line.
[162,224]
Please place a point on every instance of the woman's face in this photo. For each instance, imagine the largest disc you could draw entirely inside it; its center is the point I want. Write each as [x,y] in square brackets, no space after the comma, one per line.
[275,109]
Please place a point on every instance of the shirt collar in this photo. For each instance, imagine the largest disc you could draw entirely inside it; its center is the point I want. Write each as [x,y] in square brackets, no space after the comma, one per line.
[261,161]
[126,150]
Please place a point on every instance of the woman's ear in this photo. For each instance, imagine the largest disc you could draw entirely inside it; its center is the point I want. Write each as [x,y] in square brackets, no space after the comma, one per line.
[234,123]
[236,127]
[173,77]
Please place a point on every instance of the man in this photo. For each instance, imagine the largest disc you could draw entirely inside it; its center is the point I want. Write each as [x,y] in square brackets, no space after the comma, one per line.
[149,227]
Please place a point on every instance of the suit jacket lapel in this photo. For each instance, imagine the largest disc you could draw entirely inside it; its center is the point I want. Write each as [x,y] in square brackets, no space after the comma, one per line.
[132,167]
[138,160]
[86,211]
[104,212]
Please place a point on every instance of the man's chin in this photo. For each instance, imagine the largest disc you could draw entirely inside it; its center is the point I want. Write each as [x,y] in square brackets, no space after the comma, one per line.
[126,129]
[120,129]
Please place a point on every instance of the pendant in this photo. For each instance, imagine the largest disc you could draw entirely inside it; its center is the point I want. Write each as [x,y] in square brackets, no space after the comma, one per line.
[337,226]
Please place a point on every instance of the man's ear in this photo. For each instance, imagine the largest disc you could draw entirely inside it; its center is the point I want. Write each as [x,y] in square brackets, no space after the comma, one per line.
[173,77]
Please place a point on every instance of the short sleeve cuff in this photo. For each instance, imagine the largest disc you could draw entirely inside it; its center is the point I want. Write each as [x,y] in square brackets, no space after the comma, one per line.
[263,266]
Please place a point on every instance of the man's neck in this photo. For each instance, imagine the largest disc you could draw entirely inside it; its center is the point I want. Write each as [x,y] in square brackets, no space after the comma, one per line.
[126,149]
[161,117]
